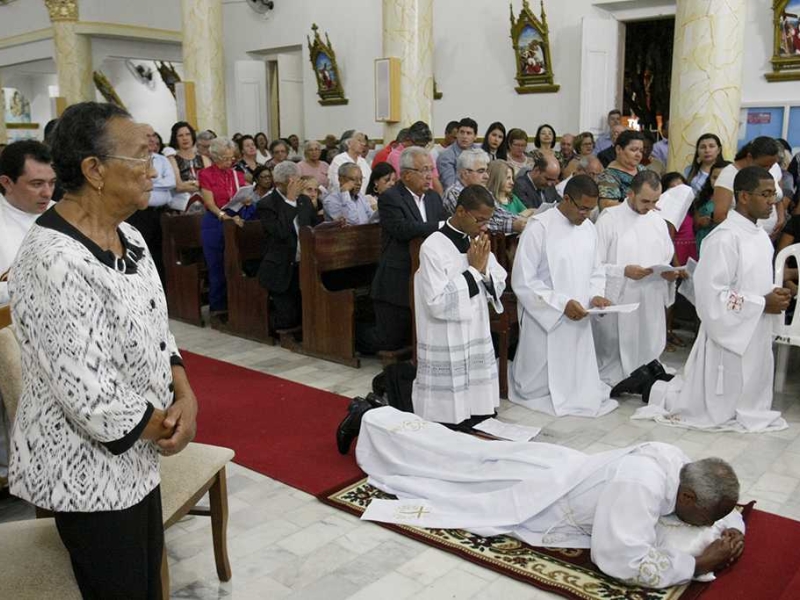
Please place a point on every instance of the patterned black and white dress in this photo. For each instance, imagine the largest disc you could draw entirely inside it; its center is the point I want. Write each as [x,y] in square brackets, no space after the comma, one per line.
[96,356]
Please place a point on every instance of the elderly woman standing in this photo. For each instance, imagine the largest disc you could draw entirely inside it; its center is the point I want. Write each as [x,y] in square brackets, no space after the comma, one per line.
[218,184]
[312,165]
[104,390]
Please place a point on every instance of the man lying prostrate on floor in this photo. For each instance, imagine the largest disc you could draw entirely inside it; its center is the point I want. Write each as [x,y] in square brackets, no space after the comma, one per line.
[548,495]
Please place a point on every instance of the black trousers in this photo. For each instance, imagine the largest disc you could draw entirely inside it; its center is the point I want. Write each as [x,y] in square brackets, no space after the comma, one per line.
[148,222]
[116,554]
[287,307]
[392,329]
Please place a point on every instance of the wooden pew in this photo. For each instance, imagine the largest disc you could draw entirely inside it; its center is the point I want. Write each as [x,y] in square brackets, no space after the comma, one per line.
[5,315]
[505,325]
[184,266]
[329,326]
[248,312]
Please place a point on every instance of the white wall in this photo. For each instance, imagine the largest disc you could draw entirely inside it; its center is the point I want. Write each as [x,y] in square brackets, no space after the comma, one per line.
[160,14]
[152,103]
[23,16]
[758,39]
[354,28]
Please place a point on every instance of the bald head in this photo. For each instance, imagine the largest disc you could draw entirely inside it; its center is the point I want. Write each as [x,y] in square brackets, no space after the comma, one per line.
[546,171]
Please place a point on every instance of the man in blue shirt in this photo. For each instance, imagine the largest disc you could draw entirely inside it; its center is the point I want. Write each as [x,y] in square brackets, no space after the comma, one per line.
[446,163]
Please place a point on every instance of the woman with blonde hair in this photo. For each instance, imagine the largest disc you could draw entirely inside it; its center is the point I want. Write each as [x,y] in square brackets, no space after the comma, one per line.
[501,185]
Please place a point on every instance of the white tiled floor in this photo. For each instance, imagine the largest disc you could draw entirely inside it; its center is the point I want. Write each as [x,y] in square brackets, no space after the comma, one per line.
[285,544]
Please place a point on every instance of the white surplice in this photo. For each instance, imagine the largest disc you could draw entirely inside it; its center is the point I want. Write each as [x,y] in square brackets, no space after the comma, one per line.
[456,365]
[14,225]
[555,368]
[625,342]
[727,383]
[543,494]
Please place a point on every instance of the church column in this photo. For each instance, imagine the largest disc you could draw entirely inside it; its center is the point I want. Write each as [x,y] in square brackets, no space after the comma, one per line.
[706,76]
[408,35]
[73,52]
[203,62]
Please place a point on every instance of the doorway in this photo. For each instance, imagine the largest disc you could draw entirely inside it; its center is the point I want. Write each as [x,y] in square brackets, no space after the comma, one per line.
[648,71]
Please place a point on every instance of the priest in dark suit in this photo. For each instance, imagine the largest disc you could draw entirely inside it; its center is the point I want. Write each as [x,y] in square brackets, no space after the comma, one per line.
[410,209]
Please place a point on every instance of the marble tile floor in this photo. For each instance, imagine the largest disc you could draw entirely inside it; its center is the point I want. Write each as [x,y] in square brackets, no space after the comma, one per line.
[285,544]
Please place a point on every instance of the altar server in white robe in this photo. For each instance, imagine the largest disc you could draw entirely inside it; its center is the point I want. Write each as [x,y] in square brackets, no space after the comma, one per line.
[728,375]
[548,495]
[557,275]
[632,237]
[458,278]
[28,179]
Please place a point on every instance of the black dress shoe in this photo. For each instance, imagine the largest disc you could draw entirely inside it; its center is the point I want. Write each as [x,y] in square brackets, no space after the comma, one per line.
[634,383]
[376,401]
[657,370]
[349,427]
[658,374]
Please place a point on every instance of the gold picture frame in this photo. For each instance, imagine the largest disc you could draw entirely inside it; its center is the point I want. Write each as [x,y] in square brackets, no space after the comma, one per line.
[786,41]
[530,39]
[326,71]
[107,90]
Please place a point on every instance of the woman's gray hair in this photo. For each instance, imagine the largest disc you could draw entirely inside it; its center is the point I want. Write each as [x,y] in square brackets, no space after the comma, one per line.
[284,171]
[408,157]
[205,136]
[308,144]
[713,481]
[470,159]
[356,134]
[219,145]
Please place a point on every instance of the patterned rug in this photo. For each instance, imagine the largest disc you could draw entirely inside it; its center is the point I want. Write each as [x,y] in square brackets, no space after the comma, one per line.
[563,571]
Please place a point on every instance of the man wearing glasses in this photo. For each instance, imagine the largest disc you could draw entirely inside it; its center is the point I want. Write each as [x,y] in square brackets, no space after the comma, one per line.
[410,209]
[632,237]
[458,278]
[557,276]
[473,169]
[727,382]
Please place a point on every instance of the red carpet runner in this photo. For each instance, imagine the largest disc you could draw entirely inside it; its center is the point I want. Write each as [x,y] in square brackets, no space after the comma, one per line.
[282,429]
[770,566]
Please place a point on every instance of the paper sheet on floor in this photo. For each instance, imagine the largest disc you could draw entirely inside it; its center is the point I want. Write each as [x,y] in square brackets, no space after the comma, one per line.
[508,431]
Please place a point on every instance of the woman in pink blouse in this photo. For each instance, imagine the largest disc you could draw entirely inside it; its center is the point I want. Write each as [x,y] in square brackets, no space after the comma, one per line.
[218,184]
[311,165]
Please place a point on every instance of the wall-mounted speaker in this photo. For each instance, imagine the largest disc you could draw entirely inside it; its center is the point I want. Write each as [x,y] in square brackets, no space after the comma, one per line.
[387,90]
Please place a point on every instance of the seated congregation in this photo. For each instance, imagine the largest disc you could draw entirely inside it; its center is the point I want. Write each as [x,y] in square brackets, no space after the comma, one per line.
[476,271]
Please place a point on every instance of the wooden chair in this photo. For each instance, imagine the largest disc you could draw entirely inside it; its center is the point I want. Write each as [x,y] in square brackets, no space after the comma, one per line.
[785,335]
[248,312]
[329,326]
[184,266]
[185,479]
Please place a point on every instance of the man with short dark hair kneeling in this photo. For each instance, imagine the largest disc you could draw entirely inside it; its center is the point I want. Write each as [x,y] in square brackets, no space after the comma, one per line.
[458,277]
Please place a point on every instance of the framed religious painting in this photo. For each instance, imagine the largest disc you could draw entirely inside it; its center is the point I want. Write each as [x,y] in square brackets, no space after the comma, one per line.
[531,43]
[326,71]
[786,41]
[107,90]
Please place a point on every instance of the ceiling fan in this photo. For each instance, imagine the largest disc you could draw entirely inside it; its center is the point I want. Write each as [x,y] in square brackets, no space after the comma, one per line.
[262,7]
